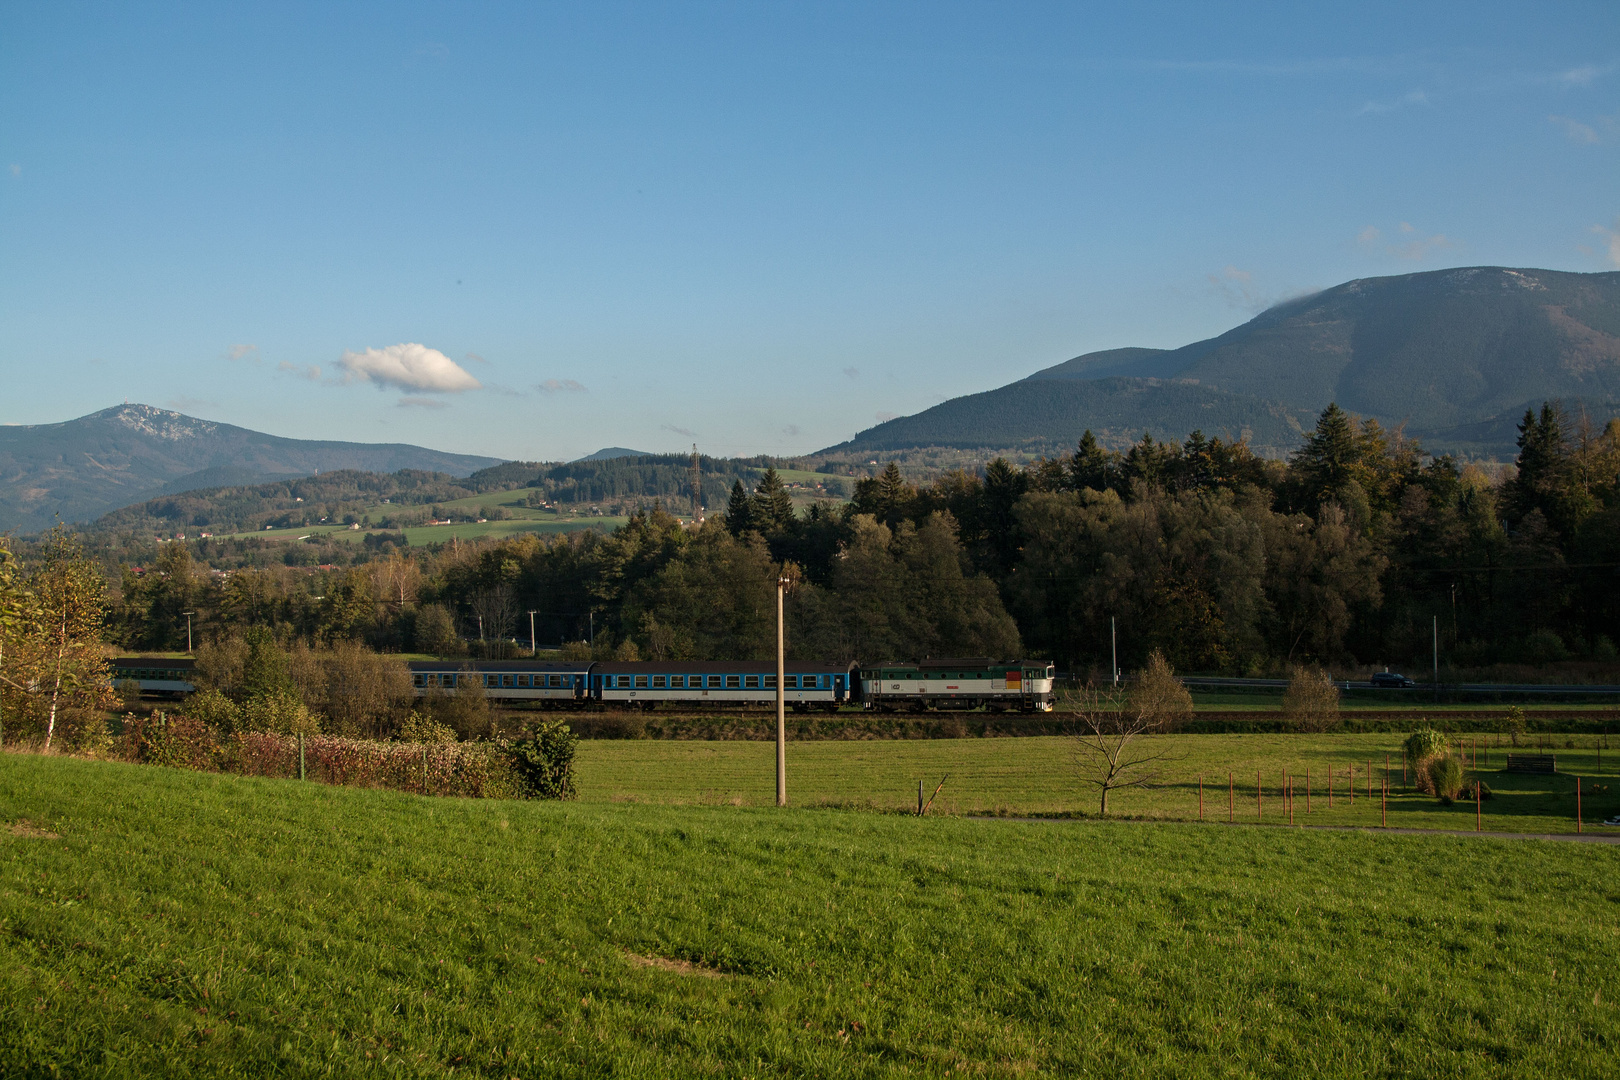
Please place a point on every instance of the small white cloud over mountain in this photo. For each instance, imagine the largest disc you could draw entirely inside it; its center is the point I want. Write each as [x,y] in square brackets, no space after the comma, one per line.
[407,366]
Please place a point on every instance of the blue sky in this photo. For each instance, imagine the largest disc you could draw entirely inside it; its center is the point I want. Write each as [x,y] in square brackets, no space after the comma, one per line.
[534,230]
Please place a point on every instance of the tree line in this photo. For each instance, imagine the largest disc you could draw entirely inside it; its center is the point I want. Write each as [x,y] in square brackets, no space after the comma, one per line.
[1353,550]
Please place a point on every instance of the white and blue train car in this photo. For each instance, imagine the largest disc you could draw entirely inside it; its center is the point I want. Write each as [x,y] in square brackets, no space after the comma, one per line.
[709,683]
[539,682]
[157,676]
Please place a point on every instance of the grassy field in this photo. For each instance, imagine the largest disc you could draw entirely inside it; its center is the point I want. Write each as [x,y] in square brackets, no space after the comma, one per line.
[161,923]
[1038,776]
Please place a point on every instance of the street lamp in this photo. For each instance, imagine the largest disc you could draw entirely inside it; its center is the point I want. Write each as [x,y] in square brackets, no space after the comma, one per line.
[782,584]
[188,615]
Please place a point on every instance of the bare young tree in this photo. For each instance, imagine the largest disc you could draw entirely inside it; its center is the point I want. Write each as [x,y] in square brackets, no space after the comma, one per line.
[496,611]
[1112,750]
[1312,699]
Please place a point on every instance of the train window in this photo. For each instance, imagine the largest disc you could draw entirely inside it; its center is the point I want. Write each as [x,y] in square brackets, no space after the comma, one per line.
[770,682]
[751,682]
[733,682]
[449,680]
[419,679]
[556,680]
[523,680]
[658,682]
[677,682]
[624,681]
[508,680]
[641,682]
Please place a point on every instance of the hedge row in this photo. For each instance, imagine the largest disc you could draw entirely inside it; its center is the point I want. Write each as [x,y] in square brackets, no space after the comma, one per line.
[539,765]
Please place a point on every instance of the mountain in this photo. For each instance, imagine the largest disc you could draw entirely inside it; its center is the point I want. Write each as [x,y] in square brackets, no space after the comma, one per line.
[1455,355]
[611,452]
[84,468]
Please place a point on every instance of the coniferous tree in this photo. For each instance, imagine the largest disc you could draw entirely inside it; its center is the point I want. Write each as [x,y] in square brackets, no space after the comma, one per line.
[739,511]
[1092,467]
[772,506]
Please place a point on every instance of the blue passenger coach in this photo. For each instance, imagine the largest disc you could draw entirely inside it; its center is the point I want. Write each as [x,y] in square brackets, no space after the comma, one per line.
[707,683]
[538,681]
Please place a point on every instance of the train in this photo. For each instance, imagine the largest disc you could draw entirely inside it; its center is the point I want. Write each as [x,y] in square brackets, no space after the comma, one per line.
[893,686]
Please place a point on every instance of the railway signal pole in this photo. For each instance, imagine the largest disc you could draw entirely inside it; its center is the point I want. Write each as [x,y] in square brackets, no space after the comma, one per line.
[781,697]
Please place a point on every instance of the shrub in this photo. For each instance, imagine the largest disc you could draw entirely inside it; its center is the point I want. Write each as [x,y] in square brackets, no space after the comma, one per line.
[1312,700]
[176,741]
[1425,743]
[215,709]
[1158,696]
[278,712]
[544,761]
[1445,777]
[422,728]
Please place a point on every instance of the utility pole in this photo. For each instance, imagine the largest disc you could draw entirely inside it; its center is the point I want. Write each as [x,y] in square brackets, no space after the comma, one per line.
[1113,643]
[592,616]
[697,485]
[188,615]
[1437,658]
[533,649]
[781,698]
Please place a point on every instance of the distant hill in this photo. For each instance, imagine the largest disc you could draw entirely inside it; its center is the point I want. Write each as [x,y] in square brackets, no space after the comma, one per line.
[1049,418]
[84,468]
[611,452]
[1456,355]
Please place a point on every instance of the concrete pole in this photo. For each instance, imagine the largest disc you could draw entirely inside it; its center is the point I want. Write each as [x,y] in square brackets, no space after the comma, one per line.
[781,700]
[1113,643]
[532,648]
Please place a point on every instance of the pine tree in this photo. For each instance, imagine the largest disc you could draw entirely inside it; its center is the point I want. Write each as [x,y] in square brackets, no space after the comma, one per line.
[739,511]
[1092,467]
[772,506]
[1328,461]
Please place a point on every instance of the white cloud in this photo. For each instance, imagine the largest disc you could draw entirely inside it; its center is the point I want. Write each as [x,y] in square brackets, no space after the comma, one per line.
[422,403]
[561,386]
[1577,131]
[312,372]
[1236,287]
[407,366]
[1414,249]
[1611,237]
[249,353]
[1405,101]
[1585,75]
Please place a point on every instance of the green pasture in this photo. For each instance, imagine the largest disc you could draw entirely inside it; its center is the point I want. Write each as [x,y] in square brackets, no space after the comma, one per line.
[165,923]
[542,522]
[1040,776]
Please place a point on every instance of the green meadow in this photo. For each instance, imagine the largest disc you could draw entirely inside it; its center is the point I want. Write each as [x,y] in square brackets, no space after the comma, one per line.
[166,923]
[1041,776]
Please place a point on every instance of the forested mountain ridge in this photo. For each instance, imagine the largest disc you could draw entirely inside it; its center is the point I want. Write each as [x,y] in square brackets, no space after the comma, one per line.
[1454,355]
[83,468]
